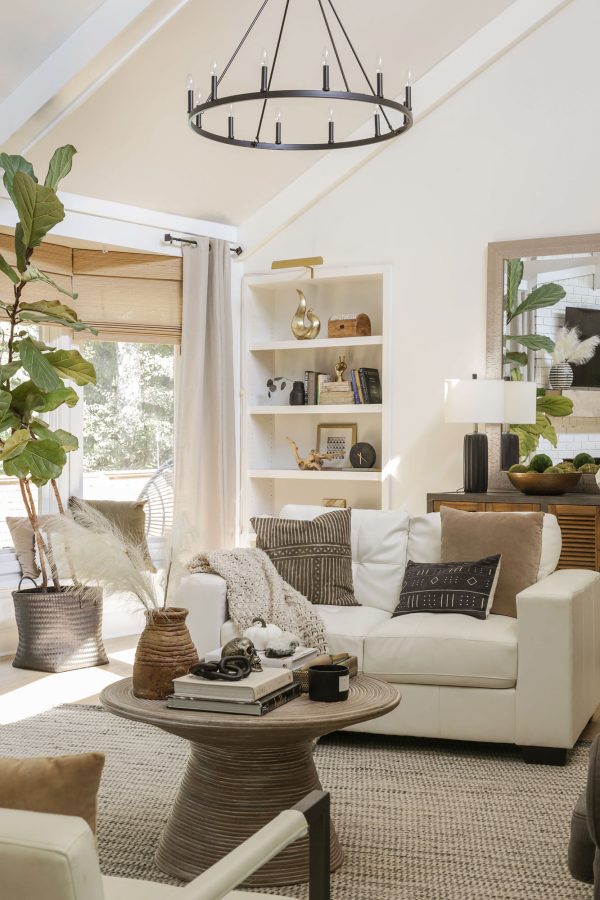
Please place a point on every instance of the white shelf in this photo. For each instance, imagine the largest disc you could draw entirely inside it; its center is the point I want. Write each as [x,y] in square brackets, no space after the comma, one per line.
[323,475]
[318,409]
[374,340]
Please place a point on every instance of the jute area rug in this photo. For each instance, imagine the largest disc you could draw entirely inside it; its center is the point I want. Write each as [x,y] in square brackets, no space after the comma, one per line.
[418,820]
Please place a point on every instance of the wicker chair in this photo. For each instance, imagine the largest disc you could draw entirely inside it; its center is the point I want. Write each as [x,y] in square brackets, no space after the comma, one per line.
[158,493]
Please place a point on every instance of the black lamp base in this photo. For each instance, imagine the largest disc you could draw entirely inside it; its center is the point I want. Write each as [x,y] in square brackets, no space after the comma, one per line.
[509,450]
[475,463]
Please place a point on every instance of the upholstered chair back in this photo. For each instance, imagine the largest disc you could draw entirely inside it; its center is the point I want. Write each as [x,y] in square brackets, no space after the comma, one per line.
[47,857]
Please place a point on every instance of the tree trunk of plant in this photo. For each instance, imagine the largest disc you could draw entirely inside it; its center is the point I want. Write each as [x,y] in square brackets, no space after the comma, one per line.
[44,550]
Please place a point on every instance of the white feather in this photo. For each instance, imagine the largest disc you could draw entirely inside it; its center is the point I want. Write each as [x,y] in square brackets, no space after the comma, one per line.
[569,348]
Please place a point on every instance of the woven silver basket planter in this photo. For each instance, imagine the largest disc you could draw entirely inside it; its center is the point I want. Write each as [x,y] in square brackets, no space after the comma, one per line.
[60,631]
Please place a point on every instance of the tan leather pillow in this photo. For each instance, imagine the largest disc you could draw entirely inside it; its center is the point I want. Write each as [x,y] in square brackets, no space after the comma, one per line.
[23,539]
[63,785]
[516,536]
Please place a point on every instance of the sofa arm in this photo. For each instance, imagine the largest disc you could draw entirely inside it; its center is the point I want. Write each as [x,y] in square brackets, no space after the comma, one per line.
[558,680]
[206,598]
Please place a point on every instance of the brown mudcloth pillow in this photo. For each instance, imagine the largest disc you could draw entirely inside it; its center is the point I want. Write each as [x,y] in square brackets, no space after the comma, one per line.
[127,516]
[516,536]
[63,785]
[313,556]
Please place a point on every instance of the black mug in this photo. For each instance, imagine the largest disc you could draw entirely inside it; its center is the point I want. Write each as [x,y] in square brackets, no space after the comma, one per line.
[328,683]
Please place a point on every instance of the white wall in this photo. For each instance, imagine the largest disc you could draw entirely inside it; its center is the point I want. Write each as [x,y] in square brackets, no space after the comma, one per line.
[497,161]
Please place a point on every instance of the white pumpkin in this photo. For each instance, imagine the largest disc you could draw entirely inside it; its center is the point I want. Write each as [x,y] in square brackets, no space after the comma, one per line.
[260,633]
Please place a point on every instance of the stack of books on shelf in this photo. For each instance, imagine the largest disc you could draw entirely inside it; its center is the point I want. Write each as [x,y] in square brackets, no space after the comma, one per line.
[257,694]
[366,385]
[313,385]
[336,392]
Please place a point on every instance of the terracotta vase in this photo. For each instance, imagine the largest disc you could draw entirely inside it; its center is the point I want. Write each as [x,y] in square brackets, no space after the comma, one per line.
[165,651]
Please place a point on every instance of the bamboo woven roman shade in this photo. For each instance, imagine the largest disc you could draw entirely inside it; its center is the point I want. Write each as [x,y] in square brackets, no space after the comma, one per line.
[126,296]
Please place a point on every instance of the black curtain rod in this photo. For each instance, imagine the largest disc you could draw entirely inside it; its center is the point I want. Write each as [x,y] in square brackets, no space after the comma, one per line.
[190,242]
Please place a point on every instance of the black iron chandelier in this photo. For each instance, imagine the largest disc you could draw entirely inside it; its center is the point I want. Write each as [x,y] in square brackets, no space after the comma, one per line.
[384,108]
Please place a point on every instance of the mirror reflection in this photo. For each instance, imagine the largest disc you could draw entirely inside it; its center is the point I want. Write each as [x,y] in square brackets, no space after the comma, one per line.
[552,337]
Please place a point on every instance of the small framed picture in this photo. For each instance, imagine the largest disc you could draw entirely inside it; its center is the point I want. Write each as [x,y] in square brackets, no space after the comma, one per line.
[336,502]
[336,439]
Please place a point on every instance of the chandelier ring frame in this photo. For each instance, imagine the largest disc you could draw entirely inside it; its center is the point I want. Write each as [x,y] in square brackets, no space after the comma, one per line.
[372,99]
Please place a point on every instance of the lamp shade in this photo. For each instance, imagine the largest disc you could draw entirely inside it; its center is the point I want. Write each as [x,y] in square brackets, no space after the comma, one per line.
[474,400]
[520,402]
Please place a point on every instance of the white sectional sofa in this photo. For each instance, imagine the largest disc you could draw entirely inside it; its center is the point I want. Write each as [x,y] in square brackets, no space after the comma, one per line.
[533,681]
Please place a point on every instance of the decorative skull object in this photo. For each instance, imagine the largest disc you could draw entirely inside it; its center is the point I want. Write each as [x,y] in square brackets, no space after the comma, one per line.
[243,647]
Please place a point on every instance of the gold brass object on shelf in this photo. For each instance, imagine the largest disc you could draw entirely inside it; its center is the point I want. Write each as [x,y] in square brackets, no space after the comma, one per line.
[300,329]
[307,262]
[540,483]
[339,368]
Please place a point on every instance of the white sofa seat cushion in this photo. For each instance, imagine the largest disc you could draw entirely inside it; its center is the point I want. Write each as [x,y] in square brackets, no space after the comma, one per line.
[425,542]
[346,627]
[379,541]
[444,649]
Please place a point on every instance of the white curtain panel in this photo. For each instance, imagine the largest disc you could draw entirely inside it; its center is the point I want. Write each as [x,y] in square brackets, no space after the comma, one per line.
[205,416]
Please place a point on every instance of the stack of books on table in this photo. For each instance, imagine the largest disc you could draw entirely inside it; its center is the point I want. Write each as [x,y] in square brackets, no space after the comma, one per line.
[303,656]
[336,392]
[255,695]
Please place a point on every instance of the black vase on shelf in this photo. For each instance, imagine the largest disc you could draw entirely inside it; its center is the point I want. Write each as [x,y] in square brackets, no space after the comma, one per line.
[297,394]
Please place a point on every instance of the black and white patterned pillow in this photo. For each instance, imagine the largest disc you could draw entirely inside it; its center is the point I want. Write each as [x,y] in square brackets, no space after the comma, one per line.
[453,587]
[314,556]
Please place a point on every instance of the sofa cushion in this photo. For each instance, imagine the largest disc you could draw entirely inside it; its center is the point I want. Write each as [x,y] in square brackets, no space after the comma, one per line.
[314,556]
[444,588]
[346,627]
[425,541]
[379,542]
[445,650]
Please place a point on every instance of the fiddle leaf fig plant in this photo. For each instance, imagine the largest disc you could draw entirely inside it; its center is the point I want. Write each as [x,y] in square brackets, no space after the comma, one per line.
[33,374]
[547,406]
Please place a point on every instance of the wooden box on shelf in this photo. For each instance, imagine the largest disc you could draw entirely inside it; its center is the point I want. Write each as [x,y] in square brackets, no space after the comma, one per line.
[349,326]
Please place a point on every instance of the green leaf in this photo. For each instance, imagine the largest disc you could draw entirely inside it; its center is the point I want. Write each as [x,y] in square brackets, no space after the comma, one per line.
[20,248]
[531,341]
[56,398]
[515,356]
[514,277]
[51,308]
[66,440]
[27,398]
[5,402]
[516,375]
[71,364]
[545,295]
[9,421]
[15,444]
[8,270]
[12,165]
[60,165]
[33,274]
[40,459]
[33,316]
[555,405]
[9,370]
[527,442]
[39,366]
[38,207]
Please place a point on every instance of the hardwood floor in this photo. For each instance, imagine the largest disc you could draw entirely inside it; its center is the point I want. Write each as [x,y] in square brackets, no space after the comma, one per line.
[24,693]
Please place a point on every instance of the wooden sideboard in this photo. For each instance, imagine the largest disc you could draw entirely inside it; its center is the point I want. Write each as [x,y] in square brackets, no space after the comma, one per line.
[578,516]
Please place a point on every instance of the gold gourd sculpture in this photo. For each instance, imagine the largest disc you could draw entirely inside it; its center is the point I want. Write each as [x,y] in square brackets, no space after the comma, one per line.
[301,330]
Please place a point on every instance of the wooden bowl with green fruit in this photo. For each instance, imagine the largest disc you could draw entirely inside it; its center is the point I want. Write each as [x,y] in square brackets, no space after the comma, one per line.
[542,477]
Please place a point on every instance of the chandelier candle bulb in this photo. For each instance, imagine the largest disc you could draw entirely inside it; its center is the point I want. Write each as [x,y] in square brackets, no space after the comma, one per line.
[198,119]
[377,124]
[264,72]
[213,81]
[325,62]
[379,78]
[331,128]
[408,93]
[190,93]
[230,123]
[278,128]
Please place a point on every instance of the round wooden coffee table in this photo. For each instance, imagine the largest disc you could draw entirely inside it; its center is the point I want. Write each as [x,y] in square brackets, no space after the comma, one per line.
[243,771]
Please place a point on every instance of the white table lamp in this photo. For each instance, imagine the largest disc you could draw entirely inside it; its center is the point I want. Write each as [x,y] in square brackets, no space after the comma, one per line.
[477,401]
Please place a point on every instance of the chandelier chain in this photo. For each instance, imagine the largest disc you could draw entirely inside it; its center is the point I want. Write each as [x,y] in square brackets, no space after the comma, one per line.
[357,58]
[241,43]
[272,72]
[335,50]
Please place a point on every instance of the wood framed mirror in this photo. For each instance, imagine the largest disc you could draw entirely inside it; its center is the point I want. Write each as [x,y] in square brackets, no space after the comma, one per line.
[571,262]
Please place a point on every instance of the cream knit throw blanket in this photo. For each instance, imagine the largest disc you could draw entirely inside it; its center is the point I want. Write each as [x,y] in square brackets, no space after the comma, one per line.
[256,589]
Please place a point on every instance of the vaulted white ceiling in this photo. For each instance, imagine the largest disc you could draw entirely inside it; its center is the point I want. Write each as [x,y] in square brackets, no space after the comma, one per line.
[131,133]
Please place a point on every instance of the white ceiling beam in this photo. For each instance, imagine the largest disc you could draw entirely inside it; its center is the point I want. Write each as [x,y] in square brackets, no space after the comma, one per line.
[434,88]
[102,223]
[77,68]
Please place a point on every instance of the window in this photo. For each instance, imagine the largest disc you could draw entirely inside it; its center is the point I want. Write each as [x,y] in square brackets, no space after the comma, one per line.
[127,417]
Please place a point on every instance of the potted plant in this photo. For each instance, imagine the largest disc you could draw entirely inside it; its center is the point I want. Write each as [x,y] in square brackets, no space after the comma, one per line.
[59,628]
[569,350]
